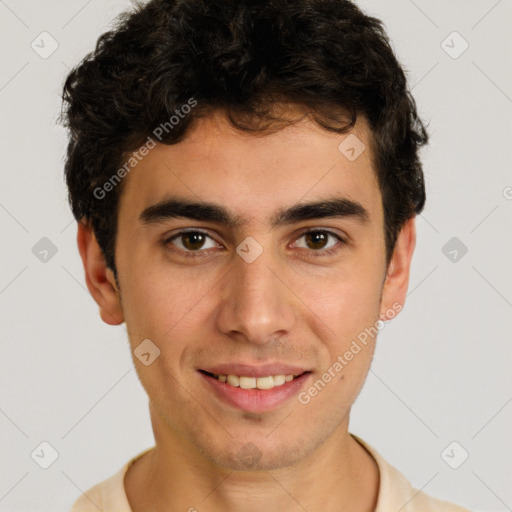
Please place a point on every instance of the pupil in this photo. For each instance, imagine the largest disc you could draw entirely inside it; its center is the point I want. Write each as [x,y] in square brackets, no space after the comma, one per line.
[317,237]
[193,240]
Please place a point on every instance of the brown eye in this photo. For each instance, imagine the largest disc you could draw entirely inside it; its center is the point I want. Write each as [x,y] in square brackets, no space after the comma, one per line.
[191,241]
[319,240]
[316,239]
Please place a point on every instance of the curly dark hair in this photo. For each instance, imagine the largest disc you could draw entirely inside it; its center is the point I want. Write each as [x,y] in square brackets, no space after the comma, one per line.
[244,57]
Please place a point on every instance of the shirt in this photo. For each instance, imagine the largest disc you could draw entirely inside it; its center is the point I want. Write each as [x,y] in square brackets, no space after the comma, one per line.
[395,492]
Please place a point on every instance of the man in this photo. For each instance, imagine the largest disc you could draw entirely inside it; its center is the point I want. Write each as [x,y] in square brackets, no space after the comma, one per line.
[245,176]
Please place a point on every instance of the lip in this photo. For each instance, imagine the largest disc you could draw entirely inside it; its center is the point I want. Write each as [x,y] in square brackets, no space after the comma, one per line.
[245,370]
[256,400]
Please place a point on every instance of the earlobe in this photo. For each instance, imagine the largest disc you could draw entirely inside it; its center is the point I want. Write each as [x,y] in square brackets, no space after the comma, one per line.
[98,277]
[397,277]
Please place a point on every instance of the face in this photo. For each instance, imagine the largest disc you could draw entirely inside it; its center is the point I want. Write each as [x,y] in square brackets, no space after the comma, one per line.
[253,285]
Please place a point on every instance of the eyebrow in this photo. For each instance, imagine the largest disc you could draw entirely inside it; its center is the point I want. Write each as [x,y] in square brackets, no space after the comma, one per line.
[338,207]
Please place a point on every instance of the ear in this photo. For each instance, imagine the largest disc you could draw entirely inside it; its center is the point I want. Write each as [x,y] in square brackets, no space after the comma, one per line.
[99,279]
[396,283]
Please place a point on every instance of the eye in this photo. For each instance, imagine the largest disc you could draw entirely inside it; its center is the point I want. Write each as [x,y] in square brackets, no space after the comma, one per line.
[191,241]
[321,241]
[194,243]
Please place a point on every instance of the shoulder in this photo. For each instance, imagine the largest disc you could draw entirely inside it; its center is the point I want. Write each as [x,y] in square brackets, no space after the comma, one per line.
[104,495]
[396,492]
[109,495]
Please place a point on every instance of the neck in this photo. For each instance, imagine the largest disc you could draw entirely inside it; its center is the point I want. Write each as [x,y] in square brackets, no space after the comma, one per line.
[340,474]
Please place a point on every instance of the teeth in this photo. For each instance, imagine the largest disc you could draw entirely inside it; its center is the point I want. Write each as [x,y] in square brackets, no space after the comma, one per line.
[255,382]
[279,380]
[265,382]
[233,380]
[247,382]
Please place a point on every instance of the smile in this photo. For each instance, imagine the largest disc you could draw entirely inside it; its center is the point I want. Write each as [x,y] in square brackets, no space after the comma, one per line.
[267,382]
[255,394]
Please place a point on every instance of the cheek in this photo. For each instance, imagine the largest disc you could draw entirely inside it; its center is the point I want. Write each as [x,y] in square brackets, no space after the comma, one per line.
[349,306]
[346,304]
[155,304]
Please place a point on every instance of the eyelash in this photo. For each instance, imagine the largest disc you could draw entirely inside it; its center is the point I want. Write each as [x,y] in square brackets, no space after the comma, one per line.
[197,254]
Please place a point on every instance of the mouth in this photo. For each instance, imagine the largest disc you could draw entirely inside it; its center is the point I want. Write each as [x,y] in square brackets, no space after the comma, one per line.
[244,382]
[255,393]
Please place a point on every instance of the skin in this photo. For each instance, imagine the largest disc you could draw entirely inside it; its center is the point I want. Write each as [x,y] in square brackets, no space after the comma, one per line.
[287,306]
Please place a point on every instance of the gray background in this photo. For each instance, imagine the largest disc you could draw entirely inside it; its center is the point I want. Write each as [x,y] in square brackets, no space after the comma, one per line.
[442,368]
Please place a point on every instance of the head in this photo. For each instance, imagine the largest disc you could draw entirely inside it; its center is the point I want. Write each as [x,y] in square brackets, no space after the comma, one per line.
[244,107]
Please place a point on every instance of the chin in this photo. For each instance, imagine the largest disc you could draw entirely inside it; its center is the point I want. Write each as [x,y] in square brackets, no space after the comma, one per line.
[253,453]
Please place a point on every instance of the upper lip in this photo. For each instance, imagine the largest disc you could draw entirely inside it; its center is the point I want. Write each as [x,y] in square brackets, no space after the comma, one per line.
[246,370]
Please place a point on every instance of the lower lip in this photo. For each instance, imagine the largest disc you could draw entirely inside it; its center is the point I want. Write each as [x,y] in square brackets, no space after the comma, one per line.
[256,400]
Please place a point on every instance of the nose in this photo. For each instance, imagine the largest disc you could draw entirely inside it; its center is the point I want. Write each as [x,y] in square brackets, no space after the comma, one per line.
[257,304]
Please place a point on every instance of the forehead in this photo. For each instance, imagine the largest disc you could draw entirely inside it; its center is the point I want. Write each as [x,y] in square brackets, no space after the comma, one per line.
[254,175]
